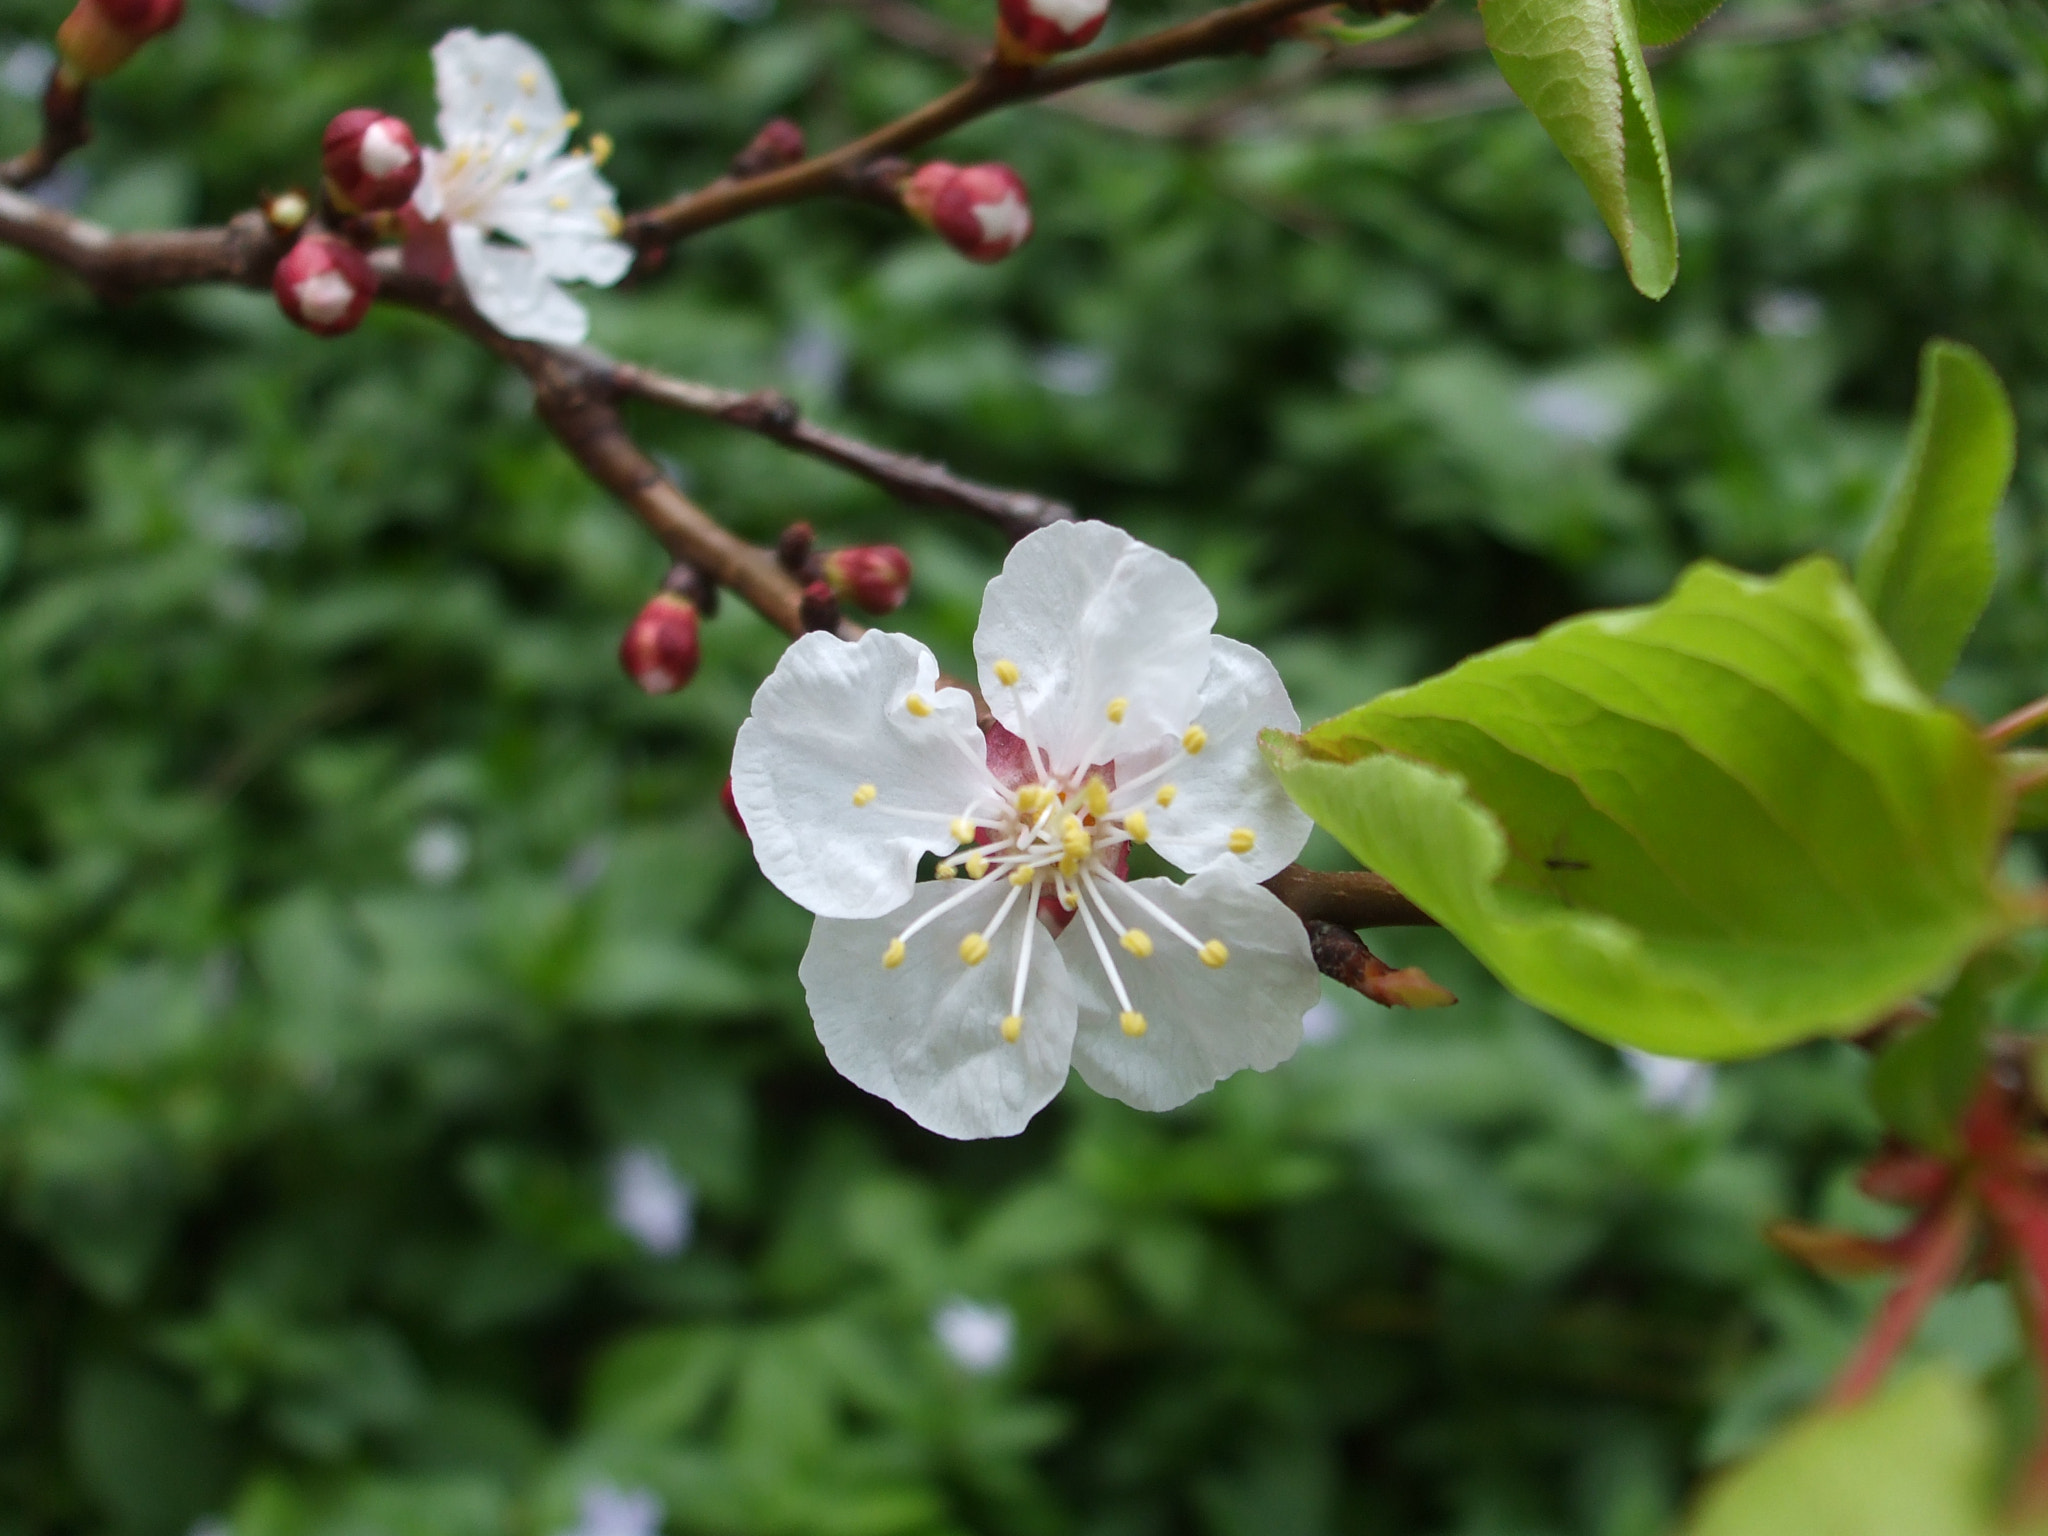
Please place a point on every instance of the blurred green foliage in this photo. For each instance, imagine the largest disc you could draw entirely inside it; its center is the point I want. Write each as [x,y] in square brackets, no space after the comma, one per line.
[355,915]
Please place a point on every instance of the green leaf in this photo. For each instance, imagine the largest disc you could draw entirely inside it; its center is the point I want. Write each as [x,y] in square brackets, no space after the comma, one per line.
[1927,572]
[1666,21]
[1915,1461]
[1711,827]
[1923,1081]
[1578,66]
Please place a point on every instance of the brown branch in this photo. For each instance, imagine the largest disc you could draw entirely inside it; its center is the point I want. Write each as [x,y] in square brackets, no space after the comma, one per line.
[1235,29]
[775,416]
[65,128]
[243,251]
[1356,899]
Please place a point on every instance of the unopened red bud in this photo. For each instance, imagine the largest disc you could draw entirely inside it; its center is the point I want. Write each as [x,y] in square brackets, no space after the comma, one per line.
[778,144]
[874,578]
[819,607]
[324,284]
[793,549]
[1032,31]
[99,36]
[982,211]
[371,159]
[732,808]
[660,651]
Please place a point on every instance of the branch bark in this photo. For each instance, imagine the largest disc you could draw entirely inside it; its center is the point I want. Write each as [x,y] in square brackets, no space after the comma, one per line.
[65,128]
[775,416]
[1355,899]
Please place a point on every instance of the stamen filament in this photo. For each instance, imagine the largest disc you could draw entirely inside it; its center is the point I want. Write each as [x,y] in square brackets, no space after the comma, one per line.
[1152,910]
[966,893]
[1023,964]
[1116,981]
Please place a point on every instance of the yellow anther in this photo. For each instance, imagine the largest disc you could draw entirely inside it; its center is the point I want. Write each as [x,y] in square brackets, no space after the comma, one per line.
[559,203]
[600,148]
[1031,799]
[1138,942]
[893,955]
[1007,673]
[962,830]
[1070,900]
[1117,708]
[946,872]
[1096,794]
[516,123]
[1021,876]
[1165,795]
[977,866]
[1012,1028]
[1215,955]
[1133,1024]
[1139,828]
[529,81]
[865,795]
[974,949]
[1074,838]
[572,120]
[1242,839]
[1070,866]
[1195,739]
[613,224]
[917,706]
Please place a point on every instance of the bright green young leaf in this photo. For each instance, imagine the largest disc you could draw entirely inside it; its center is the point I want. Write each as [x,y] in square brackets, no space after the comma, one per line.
[1923,1081]
[1373,31]
[1711,827]
[1578,66]
[1915,1461]
[1666,21]
[1928,570]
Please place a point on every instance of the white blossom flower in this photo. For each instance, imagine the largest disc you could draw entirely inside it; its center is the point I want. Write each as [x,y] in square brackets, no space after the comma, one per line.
[1119,719]
[1671,1083]
[979,1338]
[606,1510]
[649,1203]
[523,216]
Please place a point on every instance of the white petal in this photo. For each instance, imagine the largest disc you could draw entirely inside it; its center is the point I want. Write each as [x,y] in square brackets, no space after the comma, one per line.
[498,90]
[928,1035]
[1088,614]
[566,213]
[1228,787]
[830,719]
[507,286]
[1202,1024]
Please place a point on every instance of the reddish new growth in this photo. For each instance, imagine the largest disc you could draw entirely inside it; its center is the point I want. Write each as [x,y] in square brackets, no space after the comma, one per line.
[99,36]
[371,160]
[982,211]
[1982,1210]
[1028,32]
[324,285]
[660,651]
[874,578]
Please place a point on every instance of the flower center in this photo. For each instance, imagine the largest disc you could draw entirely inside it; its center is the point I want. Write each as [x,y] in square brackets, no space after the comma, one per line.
[1058,835]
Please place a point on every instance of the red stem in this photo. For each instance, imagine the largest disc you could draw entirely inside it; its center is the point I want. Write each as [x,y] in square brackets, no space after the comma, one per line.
[1940,1255]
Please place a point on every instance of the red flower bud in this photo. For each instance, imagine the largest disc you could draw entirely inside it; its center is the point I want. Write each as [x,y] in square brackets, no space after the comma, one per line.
[660,651]
[99,36]
[324,285]
[874,578]
[371,159]
[732,808]
[779,143]
[1032,31]
[982,211]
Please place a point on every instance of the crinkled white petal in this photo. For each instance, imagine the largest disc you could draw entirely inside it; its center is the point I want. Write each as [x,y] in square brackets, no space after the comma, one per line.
[427,196]
[498,90]
[509,289]
[1089,615]
[928,1035]
[830,719]
[1202,1024]
[1229,787]
[566,214]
